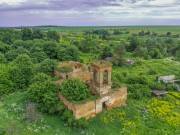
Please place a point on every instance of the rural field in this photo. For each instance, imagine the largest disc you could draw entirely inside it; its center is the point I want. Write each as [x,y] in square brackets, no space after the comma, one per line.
[28,94]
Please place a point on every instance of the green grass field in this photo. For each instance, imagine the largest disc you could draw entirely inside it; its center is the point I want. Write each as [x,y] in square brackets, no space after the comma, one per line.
[132,29]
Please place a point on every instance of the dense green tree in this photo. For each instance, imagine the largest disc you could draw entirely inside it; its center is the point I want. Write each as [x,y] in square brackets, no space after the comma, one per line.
[51,48]
[68,53]
[2,58]
[13,53]
[4,48]
[155,53]
[43,91]
[134,42]
[54,35]
[6,85]
[140,51]
[168,33]
[26,33]
[37,34]
[7,38]
[38,56]
[47,66]
[88,45]
[120,53]
[22,72]
[75,90]
[107,52]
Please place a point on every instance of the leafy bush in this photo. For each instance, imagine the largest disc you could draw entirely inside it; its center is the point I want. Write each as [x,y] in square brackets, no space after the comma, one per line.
[23,71]
[152,72]
[171,87]
[6,85]
[47,66]
[156,86]
[43,91]
[2,131]
[136,80]
[2,58]
[75,90]
[138,91]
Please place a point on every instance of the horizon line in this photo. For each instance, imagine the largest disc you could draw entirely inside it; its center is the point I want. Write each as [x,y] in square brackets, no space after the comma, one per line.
[83,26]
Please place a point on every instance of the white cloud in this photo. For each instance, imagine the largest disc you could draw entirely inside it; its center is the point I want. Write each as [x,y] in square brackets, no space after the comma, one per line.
[162,2]
[11,2]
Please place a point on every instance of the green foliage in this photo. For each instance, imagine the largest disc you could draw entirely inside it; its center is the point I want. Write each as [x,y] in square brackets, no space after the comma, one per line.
[38,56]
[4,48]
[54,35]
[155,53]
[70,119]
[2,131]
[156,86]
[74,90]
[51,48]
[43,91]
[22,72]
[120,53]
[107,52]
[140,51]
[88,45]
[152,72]
[177,55]
[170,86]
[13,53]
[138,91]
[134,42]
[37,34]
[6,85]
[26,33]
[2,58]
[68,53]
[47,66]
[136,80]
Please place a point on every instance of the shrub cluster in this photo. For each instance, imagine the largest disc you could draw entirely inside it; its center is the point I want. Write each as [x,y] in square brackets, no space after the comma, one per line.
[74,90]
[136,80]
[43,91]
[138,91]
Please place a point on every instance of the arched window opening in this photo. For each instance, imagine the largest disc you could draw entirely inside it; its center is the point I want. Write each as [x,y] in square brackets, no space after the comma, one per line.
[95,76]
[105,77]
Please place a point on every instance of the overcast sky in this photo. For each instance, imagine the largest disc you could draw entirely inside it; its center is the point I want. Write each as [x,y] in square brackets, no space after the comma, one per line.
[89,12]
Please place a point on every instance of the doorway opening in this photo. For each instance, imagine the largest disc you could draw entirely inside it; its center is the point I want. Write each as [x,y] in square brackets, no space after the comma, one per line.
[104,105]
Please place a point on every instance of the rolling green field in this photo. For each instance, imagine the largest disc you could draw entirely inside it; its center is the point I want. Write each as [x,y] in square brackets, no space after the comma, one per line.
[132,29]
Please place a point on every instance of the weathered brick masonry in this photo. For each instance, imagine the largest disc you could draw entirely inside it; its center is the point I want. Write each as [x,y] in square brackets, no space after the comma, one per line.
[92,108]
[99,81]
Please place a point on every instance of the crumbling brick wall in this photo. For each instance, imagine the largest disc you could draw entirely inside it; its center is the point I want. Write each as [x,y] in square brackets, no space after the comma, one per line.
[92,108]
[78,71]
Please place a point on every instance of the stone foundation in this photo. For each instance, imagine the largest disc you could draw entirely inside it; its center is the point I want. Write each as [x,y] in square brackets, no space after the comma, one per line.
[92,108]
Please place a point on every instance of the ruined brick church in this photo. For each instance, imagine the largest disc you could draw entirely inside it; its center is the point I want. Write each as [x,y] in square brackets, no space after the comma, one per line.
[98,79]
